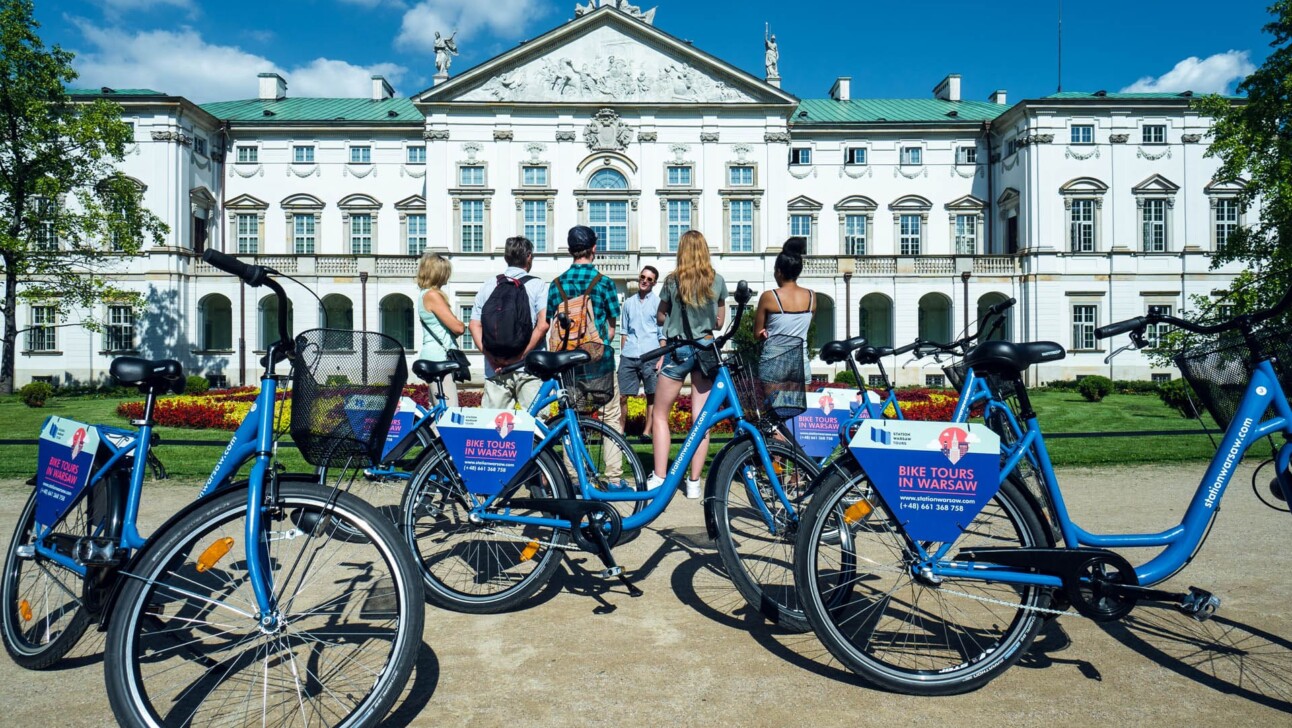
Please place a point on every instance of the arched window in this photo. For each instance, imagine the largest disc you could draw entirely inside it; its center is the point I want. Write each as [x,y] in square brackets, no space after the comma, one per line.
[215,322]
[991,299]
[935,317]
[607,179]
[337,313]
[269,320]
[876,319]
[397,319]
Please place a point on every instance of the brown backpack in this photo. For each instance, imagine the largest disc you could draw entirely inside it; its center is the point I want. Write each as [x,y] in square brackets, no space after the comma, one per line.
[583,331]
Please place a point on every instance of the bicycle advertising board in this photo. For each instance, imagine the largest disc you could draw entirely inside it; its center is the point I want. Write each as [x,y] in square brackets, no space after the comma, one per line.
[405,416]
[935,476]
[64,460]
[488,446]
[817,429]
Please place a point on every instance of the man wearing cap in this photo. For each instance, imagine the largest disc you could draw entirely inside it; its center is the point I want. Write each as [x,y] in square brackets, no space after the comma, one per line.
[604,301]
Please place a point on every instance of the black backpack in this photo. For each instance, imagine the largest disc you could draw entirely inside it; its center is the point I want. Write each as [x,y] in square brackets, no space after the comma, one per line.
[506,319]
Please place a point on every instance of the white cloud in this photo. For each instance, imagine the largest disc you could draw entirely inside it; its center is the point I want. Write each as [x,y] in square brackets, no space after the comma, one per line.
[502,17]
[116,9]
[1214,74]
[181,63]
[372,4]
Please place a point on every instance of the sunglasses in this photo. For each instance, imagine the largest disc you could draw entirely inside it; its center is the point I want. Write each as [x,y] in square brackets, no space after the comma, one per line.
[648,279]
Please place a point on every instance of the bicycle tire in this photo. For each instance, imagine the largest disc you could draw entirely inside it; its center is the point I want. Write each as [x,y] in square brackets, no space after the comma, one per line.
[760,563]
[162,633]
[886,604]
[479,568]
[36,648]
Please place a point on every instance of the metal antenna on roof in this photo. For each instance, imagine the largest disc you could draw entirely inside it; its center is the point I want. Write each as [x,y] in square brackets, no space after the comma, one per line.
[1060,89]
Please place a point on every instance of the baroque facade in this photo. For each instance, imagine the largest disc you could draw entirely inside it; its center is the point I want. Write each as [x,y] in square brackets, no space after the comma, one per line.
[1086,207]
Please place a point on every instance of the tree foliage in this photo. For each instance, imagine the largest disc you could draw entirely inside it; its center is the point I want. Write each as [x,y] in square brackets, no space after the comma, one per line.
[68,218]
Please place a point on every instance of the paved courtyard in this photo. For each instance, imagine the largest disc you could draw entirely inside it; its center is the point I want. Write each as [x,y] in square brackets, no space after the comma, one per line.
[688,653]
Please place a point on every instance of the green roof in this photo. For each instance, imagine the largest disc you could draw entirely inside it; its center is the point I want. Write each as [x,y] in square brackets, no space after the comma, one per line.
[858,111]
[105,91]
[290,110]
[1107,95]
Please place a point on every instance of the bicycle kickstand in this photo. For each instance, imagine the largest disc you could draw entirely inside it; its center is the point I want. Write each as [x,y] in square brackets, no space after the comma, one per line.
[612,569]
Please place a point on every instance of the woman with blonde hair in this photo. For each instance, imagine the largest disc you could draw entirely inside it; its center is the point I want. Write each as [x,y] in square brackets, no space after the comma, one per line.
[440,328]
[692,306]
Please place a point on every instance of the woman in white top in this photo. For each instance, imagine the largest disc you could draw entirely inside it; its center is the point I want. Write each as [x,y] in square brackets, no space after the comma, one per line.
[789,308]
[440,328]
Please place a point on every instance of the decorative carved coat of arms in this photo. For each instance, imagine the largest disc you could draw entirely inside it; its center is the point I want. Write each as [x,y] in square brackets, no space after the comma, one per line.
[606,131]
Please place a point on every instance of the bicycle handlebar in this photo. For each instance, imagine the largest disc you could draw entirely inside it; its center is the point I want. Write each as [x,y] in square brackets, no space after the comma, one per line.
[1245,321]
[1001,307]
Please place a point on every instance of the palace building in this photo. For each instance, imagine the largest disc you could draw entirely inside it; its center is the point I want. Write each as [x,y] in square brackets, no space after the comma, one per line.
[920,212]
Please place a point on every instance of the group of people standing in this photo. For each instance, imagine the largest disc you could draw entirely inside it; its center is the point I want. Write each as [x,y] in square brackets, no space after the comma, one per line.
[514,311]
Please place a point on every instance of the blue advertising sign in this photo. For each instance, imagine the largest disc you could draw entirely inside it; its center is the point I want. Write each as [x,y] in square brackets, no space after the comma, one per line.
[488,446]
[817,429]
[362,411]
[64,460]
[935,476]
[405,417]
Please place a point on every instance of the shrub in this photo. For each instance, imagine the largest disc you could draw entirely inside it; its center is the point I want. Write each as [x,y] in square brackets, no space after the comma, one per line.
[1177,395]
[1135,386]
[845,377]
[35,393]
[194,384]
[1095,388]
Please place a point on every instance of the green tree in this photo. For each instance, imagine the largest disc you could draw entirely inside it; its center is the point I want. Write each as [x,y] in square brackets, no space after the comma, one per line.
[68,218]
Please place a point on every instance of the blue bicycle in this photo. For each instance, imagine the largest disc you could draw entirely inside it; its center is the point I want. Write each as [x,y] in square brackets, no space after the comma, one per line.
[940,618]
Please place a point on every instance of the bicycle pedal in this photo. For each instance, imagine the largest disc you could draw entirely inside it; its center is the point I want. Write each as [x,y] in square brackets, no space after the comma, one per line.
[612,572]
[1200,604]
[98,552]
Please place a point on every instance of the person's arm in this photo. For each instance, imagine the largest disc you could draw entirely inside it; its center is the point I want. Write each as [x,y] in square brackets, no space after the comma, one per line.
[541,325]
[760,315]
[477,333]
[436,303]
[612,309]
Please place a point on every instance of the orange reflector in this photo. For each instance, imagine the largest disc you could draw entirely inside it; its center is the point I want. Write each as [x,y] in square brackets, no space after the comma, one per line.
[857,511]
[528,552]
[213,553]
[24,610]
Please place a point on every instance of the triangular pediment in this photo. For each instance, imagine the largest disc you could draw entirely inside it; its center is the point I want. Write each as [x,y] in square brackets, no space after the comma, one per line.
[606,57]
[1156,184]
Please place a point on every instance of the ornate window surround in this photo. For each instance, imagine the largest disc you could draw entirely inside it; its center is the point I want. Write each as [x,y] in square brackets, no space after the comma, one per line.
[245,205]
[302,204]
[966,205]
[804,205]
[413,205]
[910,205]
[1083,188]
[856,205]
[620,163]
[1155,187]
[1215,192]
[358,204]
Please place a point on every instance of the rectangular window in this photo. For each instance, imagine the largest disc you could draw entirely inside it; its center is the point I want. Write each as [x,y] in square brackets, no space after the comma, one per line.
[120,333]
[1083,134]
[471,176]
[1154,226]
[303,154]
[416,154]
[248,234]
[935,380]
[42,336]
[740,176]
[534,176]
[966,234]
[464,313]
[361,234]
[536,222]
[742,226]
[854,155]
[1084,319]
[1226,219]
[472,226]
[46,237]
[1154,134]
[1011,146]
[854,234]
[679,175]
[801,226]
[416,234]
[199,145]
[913,156]
[609,220]
[1153,334]
[248,154]
[875,380]
[801,155]
[679,221]
[909,233]
[361,154]
[1160,378]
[303,233]
[1082,223]
[966,155]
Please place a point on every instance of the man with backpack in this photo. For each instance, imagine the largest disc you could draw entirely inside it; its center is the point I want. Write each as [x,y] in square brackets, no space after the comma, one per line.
[508,320]
[589,302]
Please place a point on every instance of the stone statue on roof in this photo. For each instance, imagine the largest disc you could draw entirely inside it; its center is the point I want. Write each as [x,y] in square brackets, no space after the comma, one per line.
[772,54]
[445,49]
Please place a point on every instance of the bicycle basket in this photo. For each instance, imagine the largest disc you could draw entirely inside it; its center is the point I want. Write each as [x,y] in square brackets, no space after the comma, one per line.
[591,386]
[1219,370]
[780,377]
[345,387]
[956,374]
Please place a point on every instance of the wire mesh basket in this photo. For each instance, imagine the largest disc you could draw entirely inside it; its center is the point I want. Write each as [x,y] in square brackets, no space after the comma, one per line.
[771,386]
[591,386]
[955,374]
[1219,370]
[345,388]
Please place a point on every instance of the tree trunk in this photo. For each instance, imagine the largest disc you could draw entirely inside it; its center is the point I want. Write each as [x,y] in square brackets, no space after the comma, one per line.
[10,325]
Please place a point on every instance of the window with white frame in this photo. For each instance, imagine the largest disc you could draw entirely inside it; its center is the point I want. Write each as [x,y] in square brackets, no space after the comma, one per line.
[1082,134]
[801,226]
[800,155]
[361,233]
[1160,377]
[740,176]
[741,224]
[1081,218]
[1085,318]
[679,221]
[854,234]
[472,226]
[415,154]
[910,234]
[303,154]
[854,155]
[43,334]
[248,154]
[533,175]
[912,156]
[46,237]
[1154,134]
[1153,334]
[1226,218]
[609,220]
[875,380]
[1153,217]
[416,233]
[471,175]
[303,236]
[966,234]
[966,155]
[119,335]
[679,175]
[248,233]
[935,380]
[535,212]
[467,342]
[361,154]
[199,145]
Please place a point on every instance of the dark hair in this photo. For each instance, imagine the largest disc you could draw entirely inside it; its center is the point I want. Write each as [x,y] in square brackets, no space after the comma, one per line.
[790,261]
[652,269]
[518,251]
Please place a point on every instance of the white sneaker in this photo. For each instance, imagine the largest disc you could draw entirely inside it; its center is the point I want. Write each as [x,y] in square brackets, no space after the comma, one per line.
[693,489]
[653,482]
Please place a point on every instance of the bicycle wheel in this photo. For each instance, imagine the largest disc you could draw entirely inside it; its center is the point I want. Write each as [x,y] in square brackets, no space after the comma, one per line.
[613,461]
[43,611]
[760,561]
[186,647]
[895,629]
[486,567]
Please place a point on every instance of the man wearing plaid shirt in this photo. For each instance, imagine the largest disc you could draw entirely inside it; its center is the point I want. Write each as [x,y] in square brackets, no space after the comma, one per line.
[582,241]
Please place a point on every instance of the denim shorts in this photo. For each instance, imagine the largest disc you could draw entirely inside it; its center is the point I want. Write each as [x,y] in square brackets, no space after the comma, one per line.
[682,361]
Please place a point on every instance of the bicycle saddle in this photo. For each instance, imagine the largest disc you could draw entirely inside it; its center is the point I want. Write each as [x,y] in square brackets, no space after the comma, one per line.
[1005,357]
[431,371]
[836,351]
[872,354]
[547,364]
[162,375]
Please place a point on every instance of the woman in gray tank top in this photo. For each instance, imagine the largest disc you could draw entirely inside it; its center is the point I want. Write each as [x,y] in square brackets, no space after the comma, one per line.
[788,309]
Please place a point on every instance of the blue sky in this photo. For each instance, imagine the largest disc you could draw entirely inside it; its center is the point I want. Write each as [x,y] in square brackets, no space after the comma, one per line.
[210,51]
